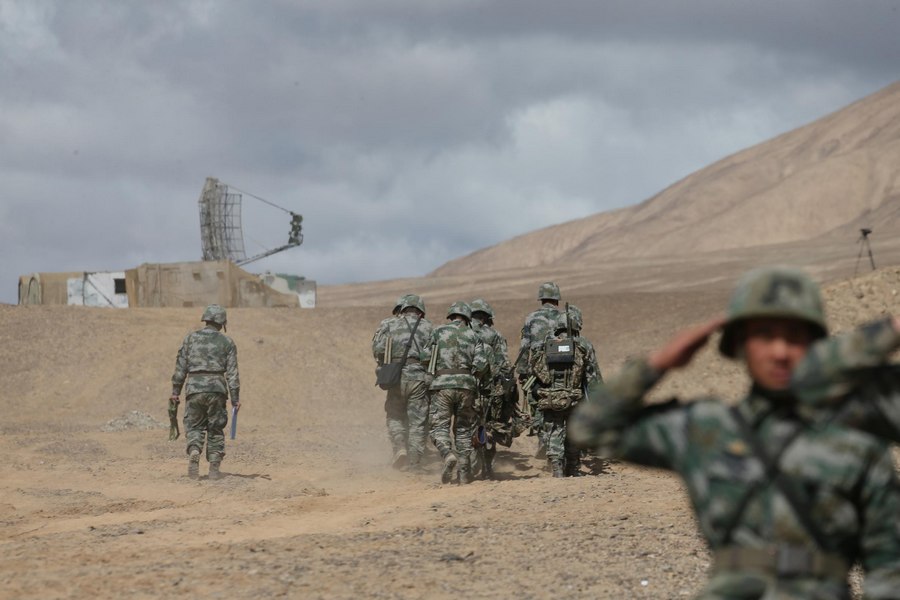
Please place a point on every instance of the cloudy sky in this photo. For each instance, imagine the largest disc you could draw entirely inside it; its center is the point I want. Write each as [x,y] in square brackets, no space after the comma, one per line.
[406,132]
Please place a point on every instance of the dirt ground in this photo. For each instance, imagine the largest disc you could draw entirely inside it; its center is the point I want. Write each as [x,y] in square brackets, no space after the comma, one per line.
[94,502]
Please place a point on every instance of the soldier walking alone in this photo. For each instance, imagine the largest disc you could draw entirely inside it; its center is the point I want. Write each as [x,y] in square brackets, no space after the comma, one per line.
[207,360]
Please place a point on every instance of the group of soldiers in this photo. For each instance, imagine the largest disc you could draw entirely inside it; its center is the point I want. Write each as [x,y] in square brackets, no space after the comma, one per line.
[790,487]
[455,385]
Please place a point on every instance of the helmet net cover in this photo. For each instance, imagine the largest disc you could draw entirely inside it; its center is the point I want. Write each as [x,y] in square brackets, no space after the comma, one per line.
[460,308]
[214,313]
[773,292]
[549,291]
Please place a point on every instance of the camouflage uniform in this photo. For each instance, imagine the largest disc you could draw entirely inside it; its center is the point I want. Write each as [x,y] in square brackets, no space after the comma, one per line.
[406,406]
[788,529]
[207,360]
[459,360]
[850,375]
[538,325]
[496,404]
[378,338]
[559,388]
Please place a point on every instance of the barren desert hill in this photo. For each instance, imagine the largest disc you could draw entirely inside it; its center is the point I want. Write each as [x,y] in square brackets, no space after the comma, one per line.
[835,174]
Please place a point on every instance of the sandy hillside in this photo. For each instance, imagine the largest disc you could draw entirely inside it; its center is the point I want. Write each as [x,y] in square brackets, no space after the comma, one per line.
[93,504]
[828,178]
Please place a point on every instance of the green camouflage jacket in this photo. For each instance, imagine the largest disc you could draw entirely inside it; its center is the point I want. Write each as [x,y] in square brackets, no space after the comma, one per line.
[460,357]
[398,329]
[208,360]
[844,476]
[497,351]
[378,339]
[538,325]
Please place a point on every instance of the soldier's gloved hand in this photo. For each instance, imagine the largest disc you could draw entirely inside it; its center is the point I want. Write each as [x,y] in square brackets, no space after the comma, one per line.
[236,405]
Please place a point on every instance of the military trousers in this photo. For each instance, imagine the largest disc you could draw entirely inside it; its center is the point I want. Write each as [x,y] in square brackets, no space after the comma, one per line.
[406,416]
[559,448]
[455,405]
[205,419]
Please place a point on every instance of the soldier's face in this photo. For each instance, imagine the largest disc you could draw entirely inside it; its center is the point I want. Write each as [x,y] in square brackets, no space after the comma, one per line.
[772,349]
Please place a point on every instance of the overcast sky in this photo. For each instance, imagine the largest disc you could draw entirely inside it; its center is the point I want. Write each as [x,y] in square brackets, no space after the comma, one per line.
[406,132]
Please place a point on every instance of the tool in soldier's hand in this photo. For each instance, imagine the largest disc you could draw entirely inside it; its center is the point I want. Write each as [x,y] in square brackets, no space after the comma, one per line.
[234,414]
[174,432]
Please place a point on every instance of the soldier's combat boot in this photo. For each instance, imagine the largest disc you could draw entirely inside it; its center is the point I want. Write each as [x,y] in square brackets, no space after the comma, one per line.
[449,469]
[194,464]
[556,468]
[214,472]
[465,476]
[573,467]
[400,459]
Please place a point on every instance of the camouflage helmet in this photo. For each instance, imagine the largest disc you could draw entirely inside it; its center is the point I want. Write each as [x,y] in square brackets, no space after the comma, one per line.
[414,301]
[398,306]
[549,291]
[460,308]
[574,314]
[214,314]
[481,305]
[777,292]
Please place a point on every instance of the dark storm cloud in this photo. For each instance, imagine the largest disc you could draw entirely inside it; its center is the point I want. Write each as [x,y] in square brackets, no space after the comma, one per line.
[406,132]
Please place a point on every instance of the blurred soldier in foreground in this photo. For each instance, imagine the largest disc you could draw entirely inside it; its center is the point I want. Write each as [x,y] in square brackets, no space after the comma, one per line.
[786,503]
[208,361]
[564,366]
[538,325]
[497,399]
[406,405]
[458,359]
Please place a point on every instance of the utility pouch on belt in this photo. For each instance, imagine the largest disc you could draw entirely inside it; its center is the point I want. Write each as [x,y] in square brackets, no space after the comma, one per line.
[559,352]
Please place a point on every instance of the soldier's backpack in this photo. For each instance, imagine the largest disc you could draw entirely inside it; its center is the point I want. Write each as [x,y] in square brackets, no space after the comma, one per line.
[560,370]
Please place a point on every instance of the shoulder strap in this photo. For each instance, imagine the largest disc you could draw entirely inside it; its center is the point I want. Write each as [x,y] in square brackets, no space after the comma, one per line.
[796,498]
[412,334]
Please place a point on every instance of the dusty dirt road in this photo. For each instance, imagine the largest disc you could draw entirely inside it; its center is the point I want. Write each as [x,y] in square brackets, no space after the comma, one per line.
[91,506]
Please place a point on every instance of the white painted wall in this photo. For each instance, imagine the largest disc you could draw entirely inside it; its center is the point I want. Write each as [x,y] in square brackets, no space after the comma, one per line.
[96,289]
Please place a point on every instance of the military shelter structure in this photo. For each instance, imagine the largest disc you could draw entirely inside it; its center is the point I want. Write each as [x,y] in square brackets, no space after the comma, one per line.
[183,284]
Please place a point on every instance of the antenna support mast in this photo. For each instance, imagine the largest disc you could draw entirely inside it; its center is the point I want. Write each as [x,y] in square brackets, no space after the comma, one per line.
[221,232]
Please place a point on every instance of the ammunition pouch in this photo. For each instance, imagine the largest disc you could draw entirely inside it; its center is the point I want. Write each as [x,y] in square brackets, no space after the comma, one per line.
[556,400]
[388,375]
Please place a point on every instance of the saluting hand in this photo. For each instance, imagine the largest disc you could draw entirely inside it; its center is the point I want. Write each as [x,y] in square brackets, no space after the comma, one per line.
[679,350]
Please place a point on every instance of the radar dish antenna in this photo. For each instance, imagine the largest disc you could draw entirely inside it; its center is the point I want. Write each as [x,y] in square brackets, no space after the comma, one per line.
[220,223]
[221,233]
